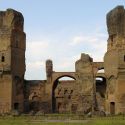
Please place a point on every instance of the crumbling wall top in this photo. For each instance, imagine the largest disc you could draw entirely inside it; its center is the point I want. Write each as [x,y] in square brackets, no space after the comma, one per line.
[116,21]
[11,19]
[85,58]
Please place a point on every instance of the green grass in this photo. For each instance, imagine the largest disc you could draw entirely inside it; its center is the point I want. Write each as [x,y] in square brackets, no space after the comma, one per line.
[22,120]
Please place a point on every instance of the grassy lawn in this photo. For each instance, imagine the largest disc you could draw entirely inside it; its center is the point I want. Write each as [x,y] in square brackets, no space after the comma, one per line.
[38,121]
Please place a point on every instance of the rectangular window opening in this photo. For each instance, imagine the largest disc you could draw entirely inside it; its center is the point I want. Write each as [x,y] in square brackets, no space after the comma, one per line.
[2,59]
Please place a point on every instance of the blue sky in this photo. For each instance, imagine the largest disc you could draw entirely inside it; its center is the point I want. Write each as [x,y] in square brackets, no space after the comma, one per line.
[61,30]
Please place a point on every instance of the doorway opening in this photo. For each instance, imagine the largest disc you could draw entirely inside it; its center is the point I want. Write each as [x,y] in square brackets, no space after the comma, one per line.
[16,106]
[112,108]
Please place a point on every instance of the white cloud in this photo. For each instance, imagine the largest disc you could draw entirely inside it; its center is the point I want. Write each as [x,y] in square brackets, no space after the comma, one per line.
[88,39]
[77,39]
[36,48]
[65,65]
[37,45]
[35,70]
[36,64]
[94,44]
[64,52]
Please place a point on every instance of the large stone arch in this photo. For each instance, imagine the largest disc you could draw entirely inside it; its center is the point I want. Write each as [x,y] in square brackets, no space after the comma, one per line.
[56,77]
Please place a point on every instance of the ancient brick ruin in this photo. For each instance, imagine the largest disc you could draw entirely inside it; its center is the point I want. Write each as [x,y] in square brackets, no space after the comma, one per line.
[89,90]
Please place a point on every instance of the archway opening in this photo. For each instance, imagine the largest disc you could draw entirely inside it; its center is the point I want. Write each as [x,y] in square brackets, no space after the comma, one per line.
[62,92]
[34,103]
[16,106]
[101,86]
[100,93]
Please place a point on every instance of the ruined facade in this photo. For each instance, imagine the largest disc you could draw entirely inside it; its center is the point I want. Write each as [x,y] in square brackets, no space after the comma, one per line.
[12,60]
[89,90]
[114,61]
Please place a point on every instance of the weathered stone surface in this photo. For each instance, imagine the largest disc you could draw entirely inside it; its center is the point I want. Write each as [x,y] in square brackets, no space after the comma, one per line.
[49,68]
[12,60]
[85,82]
[114,61]
[116,22]
[11,19]
[116,28]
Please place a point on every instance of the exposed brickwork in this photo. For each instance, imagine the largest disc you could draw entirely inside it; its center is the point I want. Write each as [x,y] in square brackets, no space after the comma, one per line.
[12,60]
